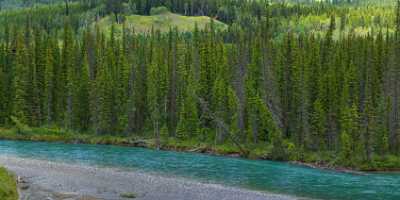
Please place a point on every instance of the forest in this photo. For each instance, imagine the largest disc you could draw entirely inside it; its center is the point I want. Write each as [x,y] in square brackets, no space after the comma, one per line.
[309,81]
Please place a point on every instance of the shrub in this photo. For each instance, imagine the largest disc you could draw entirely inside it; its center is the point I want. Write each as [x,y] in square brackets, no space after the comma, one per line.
[159,10]
[8,187]
[128,195]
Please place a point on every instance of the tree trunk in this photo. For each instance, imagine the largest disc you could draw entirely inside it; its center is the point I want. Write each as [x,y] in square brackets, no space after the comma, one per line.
[66,7]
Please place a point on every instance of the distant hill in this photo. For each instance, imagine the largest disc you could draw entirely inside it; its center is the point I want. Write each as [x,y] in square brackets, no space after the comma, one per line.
[160,21]
[13,4]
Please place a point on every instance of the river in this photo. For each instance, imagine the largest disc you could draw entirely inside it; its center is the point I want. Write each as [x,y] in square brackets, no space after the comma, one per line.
[267,176]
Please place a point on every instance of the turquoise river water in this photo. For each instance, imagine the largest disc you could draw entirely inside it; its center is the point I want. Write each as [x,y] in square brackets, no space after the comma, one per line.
[258,175]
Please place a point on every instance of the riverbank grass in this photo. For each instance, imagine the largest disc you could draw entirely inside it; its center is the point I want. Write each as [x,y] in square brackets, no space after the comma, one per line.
[8,186]
[325,159]
[128,195]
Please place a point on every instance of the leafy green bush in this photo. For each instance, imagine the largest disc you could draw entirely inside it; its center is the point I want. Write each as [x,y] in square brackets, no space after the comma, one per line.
[159,10]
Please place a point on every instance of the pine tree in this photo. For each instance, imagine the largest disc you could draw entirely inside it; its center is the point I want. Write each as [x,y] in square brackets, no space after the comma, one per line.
[318,126]
[40,65]
[382,133]
[3,84]
[345,148]
[188,126]
[156,92]
[394,87]
[286,83]
[81,100]
[233,104]
[105,104]
[173,78]
[65,78]
[21,83]
[220,106]
[50,86]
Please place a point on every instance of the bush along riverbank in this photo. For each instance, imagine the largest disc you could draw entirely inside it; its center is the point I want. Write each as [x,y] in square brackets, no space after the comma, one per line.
[285,151]
[8,185]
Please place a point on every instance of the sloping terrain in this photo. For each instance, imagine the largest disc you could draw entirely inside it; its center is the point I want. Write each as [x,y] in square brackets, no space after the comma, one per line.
[162,22]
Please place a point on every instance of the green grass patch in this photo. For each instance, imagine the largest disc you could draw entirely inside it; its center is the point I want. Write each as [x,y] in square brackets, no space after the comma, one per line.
[8,185]
[162,21]
[128,195]
[46,134]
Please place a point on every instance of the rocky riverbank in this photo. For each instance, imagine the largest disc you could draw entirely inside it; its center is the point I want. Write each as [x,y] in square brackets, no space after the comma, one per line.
[43,180]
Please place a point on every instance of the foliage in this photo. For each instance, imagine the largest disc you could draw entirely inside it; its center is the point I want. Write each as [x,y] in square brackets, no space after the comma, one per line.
[159,10]
[317,82]
[8,185]
[161,22]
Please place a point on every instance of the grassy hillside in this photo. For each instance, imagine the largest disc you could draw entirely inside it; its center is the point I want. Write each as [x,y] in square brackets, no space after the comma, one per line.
[356,20]
[161,22]
[8,187]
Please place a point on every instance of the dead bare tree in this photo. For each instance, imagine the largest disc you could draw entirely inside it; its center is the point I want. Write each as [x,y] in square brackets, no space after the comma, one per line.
[222,125]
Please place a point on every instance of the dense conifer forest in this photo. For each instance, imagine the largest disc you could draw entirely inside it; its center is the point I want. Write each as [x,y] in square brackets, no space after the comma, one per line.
[312,81]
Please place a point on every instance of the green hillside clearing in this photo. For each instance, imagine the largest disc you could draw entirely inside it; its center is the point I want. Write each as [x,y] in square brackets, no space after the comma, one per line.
[162,22]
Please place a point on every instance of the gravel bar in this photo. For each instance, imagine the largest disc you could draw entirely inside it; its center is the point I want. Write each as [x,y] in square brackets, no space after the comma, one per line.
[45,180]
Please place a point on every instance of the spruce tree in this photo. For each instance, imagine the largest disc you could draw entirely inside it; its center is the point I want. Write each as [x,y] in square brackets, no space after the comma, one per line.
[21,83]
[188,125]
